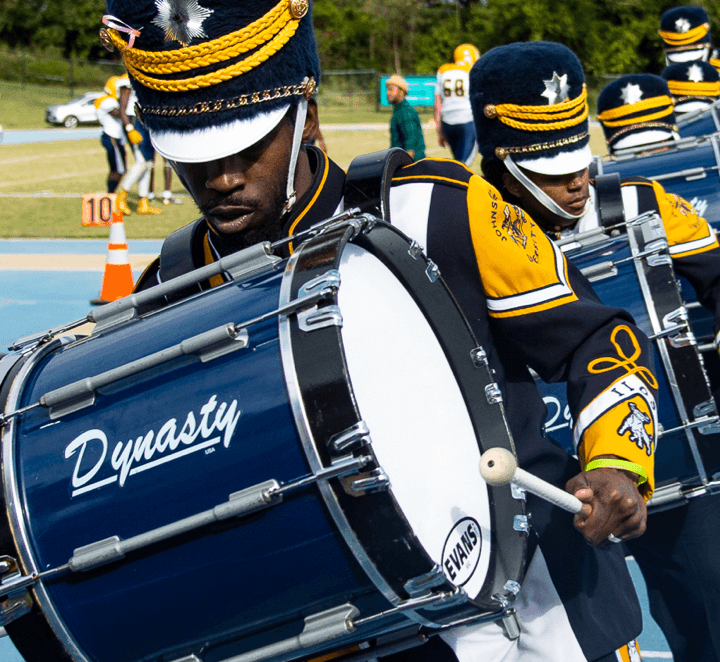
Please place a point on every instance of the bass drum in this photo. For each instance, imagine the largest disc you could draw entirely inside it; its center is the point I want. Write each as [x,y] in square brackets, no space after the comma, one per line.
[280,467]
[634,271]
[689,168]
[701,122]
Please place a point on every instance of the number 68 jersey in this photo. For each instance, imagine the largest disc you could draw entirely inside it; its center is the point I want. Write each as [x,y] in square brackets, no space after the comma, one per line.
[453,88]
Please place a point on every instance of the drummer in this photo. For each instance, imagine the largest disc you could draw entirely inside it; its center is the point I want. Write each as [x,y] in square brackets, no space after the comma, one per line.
[694,86]
[679,561]
[685,32]
[233,126]
[678,556]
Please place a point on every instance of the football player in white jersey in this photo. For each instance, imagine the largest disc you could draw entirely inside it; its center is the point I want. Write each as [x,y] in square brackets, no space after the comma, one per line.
[453,114]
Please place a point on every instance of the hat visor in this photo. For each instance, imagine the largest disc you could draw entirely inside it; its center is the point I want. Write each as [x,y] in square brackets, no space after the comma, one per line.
[560,164]
[691,106]
[687,56]
[644,138]
[215,142]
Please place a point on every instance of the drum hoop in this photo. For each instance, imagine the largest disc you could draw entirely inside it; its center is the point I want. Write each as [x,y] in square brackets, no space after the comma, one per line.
[365,241]
[635,237]
[304,428]
[13,501]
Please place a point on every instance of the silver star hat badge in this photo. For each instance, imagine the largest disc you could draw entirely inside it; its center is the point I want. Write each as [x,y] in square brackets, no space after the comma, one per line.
[631,93]
[181,19]
[695,74]
[682,25]
[556,89]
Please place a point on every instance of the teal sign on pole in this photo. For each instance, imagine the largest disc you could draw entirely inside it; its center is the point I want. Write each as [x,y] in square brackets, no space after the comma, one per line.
[421,90]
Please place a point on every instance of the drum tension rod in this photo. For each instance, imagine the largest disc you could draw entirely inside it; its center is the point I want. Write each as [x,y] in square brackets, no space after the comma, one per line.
[207,346]
[239,504]
[351,217]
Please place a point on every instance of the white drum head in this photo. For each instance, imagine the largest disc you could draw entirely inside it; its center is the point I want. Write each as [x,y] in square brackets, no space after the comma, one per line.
[419,426]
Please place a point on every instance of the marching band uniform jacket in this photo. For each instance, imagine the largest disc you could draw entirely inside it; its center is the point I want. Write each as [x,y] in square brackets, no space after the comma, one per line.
[528,307]
[692,243]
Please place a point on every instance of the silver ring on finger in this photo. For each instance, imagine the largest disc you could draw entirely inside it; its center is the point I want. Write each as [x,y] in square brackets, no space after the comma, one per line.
[613,538]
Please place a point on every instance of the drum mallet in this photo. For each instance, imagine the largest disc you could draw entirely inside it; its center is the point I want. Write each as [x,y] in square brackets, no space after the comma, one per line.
[498,466]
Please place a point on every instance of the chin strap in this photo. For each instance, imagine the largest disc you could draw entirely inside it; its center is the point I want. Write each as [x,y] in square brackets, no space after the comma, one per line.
[543,198]
[300,116]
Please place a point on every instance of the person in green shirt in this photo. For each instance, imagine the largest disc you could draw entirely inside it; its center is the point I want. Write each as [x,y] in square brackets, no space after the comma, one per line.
[405,126]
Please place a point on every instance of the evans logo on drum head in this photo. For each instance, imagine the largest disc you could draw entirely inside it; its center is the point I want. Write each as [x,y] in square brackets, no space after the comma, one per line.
[461,552]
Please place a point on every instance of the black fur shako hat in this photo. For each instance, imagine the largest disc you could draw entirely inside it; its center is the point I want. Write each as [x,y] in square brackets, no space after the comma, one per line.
[685,32]
[529,104]
[219,66]
[693,85]
[636,109]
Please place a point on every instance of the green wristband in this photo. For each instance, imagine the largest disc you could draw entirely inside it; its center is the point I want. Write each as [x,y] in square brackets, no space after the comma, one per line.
[611,463]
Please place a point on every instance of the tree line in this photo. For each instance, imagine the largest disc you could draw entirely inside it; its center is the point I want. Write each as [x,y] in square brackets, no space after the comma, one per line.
[403,36]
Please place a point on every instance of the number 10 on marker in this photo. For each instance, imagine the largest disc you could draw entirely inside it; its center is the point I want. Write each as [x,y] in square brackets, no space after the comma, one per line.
[97,209]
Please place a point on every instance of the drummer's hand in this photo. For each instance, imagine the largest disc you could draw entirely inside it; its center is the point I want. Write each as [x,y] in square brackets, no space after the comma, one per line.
[612,505]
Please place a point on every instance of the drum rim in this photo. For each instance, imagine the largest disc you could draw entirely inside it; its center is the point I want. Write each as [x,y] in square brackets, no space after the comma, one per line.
[291,284]
[13,503]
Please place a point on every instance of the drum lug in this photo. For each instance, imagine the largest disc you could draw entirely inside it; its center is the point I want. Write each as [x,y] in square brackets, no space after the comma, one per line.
[659,260]
[432,271]
[521,523]
[707,408]
[493,394]
[600,271]
[351,439]
[319,628]
[518,492]
[319,318]
[416,251]
[366,483]
[423,584]
[16,603]
[479,357]
[329,280]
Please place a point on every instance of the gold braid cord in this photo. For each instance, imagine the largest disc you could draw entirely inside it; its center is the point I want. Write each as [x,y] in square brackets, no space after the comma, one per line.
[612,117]
[680,88]
[270,33]
[684,38]
[306,89]
[546,118]
[502,152]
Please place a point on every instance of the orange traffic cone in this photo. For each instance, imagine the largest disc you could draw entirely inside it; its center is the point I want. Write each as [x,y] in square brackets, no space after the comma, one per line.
[118,279]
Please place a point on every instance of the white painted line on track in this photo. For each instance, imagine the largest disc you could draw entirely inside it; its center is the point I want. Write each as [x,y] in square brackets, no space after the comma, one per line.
[47,262]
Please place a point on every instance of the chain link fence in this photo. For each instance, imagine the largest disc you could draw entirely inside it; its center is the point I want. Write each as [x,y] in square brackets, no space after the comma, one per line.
[349,90]
[74,74]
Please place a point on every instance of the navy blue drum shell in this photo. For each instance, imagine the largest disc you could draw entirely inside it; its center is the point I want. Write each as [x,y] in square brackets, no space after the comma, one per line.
[274,564]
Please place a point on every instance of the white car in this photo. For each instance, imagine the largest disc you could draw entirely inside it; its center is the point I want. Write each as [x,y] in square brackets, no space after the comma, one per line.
[74,112]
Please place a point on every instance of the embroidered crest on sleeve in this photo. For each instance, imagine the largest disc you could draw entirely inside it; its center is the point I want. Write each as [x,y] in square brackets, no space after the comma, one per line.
[681,205]
[513,225]
[635,423]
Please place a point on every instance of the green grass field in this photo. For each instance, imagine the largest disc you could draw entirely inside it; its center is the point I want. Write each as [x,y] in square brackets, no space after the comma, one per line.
[42,184]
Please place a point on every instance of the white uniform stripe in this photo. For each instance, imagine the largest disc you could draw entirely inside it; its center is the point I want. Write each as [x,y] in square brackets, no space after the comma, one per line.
[536,297]
[409,209]
[692,245]
[630,201]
